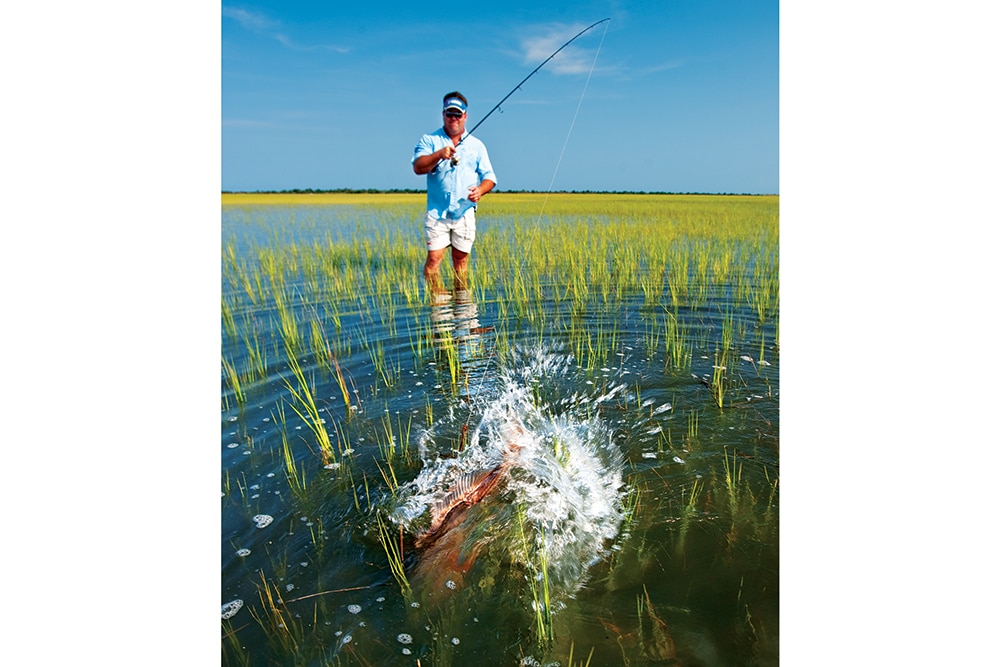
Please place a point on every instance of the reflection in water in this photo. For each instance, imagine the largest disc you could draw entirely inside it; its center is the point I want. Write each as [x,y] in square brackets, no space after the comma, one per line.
[458,340]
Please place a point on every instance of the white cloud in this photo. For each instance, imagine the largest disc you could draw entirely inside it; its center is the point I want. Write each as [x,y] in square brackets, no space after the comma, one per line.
[261,24]
[573,59]
[249,20]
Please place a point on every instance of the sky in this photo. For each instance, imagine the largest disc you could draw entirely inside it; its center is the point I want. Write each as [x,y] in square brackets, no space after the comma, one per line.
[674,96]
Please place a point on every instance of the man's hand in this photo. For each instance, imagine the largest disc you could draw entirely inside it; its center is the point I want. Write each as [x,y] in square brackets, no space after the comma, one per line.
[476,192]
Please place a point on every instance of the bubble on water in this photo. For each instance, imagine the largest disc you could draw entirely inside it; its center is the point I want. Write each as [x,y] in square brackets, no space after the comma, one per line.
[230,608]
[233,445]
[451,584]
[243,553]
[662,408]
[380,599]
[407,651]
[764,362]
[270,474]
[263,520]
[332,466]
[347,639]
[289,588]
[354,608]
[304,564]
[649,455]
[232,419]
[678,459]
[414,604]
[256,495]
[404,638]
[454,640]
[348,451]
[255,487]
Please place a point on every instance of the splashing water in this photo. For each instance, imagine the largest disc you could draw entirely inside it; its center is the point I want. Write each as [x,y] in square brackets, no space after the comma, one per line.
[560,494]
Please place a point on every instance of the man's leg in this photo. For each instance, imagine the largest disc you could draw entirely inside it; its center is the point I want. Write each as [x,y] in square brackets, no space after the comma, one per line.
[460,260]
[432,270]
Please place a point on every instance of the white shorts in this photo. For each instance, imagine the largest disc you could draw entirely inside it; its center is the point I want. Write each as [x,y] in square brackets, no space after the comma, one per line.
[459,234]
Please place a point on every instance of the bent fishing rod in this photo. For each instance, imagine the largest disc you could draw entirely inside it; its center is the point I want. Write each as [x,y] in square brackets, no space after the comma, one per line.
[454,159]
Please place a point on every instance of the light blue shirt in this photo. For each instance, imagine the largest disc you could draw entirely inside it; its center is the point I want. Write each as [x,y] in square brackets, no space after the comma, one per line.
[448,185]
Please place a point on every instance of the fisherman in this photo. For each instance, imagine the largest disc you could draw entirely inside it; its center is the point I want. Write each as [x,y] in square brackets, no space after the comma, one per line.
[458,173]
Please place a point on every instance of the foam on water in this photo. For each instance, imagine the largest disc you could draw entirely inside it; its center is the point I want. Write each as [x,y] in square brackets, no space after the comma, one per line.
[563,470]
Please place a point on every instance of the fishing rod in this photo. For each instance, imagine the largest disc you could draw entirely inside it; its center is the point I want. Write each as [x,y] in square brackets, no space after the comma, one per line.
[454,159]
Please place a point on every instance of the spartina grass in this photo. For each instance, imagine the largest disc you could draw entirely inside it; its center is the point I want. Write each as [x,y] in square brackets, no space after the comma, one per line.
[394,553]
[719,380]
[581,664]
[234,383]
[304,405]
[678,347]
[538,580]
[281,628]
[654,637]
[687,515]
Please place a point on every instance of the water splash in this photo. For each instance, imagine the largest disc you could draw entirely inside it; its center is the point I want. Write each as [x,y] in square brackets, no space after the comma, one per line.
[562,476]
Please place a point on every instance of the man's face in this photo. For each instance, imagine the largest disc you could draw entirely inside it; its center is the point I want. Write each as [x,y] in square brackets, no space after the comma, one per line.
[454,123]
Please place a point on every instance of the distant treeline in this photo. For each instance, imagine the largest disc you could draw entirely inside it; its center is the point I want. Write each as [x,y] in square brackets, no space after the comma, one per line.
[373,191]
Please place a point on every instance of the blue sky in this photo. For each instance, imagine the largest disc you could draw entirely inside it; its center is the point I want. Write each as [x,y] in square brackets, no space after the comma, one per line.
[683,96]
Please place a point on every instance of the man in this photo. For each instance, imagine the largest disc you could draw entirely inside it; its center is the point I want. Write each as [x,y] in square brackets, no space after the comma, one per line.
[457,178]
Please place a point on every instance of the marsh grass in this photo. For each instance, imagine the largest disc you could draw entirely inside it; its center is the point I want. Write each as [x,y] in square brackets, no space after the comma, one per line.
[282,629]
[536,556]
[580,664]
[394,554]
[688,282]
[234,383]
[304,405]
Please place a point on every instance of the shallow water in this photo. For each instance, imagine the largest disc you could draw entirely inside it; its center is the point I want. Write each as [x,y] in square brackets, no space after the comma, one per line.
[642,513]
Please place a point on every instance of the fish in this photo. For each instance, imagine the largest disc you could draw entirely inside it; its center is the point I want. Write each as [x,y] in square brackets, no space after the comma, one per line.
[467,491]
[450,545]
[470,489]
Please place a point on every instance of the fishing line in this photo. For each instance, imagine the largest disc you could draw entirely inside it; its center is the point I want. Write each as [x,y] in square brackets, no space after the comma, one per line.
[534,230]
[571,126]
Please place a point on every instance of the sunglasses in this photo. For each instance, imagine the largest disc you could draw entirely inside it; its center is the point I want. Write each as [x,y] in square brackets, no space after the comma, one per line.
[453,114]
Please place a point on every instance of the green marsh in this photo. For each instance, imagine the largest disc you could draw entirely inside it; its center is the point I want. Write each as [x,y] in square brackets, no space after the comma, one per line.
[629,344]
